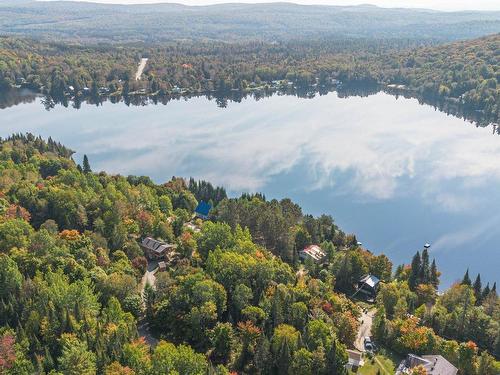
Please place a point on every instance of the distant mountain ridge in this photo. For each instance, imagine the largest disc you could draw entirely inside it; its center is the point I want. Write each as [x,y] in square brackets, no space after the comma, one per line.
[236,22]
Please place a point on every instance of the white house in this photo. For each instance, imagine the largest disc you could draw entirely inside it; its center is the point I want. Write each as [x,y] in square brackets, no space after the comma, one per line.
[355,360]
[313,252]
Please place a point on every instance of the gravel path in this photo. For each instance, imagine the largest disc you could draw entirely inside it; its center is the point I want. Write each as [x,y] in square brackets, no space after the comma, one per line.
[140,68]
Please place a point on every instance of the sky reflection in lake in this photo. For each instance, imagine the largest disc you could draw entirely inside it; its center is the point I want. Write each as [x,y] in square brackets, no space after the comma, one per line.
[396,173]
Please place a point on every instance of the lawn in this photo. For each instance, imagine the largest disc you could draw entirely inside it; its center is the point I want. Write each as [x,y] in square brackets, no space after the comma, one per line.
[384,363]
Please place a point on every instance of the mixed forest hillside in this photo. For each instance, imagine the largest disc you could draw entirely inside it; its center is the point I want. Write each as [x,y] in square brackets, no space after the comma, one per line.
[236,298]
[234,22]
[460,77]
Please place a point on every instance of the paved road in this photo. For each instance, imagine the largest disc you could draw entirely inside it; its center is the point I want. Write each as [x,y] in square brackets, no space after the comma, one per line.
[365,329]
[140,68]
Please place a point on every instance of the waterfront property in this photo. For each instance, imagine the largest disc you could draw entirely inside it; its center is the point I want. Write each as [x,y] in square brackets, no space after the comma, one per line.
[287,157]
[313,252]
[433,365]
[157,250]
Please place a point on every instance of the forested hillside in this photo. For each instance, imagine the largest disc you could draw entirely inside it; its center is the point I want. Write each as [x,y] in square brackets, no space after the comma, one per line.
[236,299]
[58,20]
[467,73]
[462,75]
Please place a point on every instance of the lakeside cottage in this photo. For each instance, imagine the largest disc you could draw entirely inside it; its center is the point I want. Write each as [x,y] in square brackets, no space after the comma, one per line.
[313,252]
[157,250]
[433,364]
[368,285]
[203,210]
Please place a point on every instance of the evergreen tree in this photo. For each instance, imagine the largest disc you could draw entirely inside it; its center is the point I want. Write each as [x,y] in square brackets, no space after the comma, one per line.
[494,288]
[263,359]
[478,288]
[284,359]
[466,279]
[424,268]
[416,263]
[336,358]
[434,279]
[496,345]
[86,165]
[486,292]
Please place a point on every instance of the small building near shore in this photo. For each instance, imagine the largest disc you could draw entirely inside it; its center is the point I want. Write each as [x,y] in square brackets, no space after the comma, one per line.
[157,250]
[433,365]
[368,285]
[203,210]
[355,360]
[313,252]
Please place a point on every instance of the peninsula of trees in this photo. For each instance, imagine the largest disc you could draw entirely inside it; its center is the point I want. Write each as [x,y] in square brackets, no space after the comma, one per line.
[236,300]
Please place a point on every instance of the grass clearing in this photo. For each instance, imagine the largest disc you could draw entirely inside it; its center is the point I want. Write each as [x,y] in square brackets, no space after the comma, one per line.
[384,362]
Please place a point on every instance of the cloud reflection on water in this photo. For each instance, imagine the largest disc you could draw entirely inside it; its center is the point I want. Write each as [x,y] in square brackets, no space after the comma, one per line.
[389,148]
[376,153]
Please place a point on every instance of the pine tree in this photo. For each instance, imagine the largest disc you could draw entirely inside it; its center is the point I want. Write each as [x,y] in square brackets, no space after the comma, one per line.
[416,263]
[86,164]
[284,359]
[466,279]
[496,345]
[494,289]
[424,273]
[434,274]
[263,355]
[478,288]
[486,292]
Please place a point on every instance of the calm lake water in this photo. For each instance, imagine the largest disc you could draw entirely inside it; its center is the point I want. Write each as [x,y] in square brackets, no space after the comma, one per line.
[396,173]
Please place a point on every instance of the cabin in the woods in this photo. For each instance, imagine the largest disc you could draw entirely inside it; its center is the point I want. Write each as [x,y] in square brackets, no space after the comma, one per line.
[203,210]
[433,365]
[368,285]
[157,250]
[312,252]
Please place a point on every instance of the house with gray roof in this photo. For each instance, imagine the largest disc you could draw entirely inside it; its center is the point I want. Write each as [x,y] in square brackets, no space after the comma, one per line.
[157,250]
[433,364]
[368,285]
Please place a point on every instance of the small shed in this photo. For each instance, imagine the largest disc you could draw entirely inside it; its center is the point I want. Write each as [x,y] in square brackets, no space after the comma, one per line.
[355,360]
[162,266]
[203,210]
[369,285]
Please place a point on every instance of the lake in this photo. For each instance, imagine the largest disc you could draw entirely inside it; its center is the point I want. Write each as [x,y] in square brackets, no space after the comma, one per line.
[396,173]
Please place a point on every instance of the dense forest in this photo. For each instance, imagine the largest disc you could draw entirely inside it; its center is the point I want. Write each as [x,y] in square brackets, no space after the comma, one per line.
[64,20]
[237,299]
[462,77]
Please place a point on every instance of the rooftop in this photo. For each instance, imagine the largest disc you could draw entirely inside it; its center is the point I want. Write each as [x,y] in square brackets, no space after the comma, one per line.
[354,355]
[433,364]
[314,251]
[370,280]
[156,246]
[203,208]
